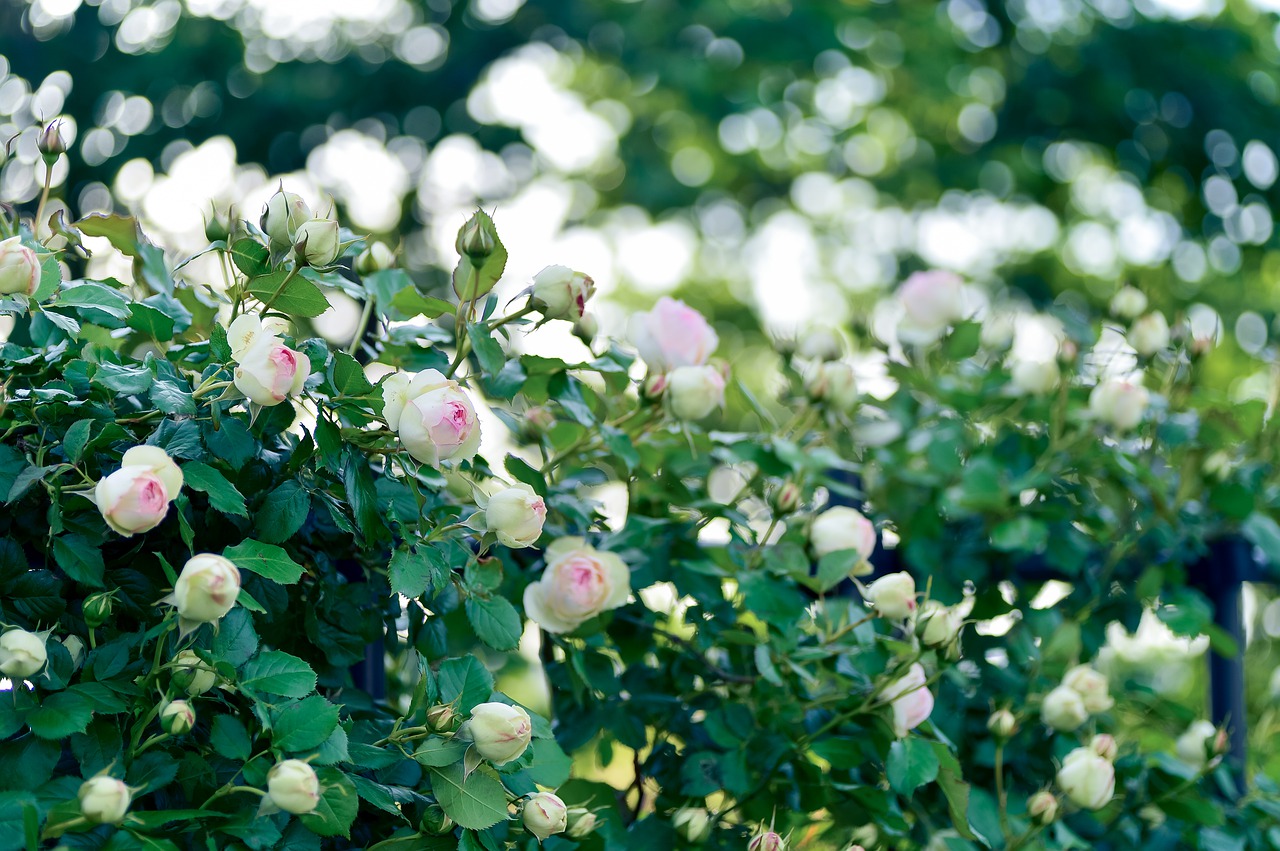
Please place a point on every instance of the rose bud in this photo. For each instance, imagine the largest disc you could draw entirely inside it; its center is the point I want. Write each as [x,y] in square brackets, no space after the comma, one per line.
[292,786]
[866,834]
[442,718]
[1120,403]
[50,143]
[767,840]
[695,391]
[104,800]
[433,416]
[1091,686]
[376,258]
[1068,351]
[1128,303]
[476,239]
[582,822]
[268,372]
[317,243]
[515,515]
[1149,334]
[579,583]
[834,383]
[786,499]
[544,814]
[939,625]
[561,293]
[1063,709]
[22,654]
[97,609]
[931,301]
[435,821]
[587,328]
[177,717]
[206,589]
[654,386]
[1105,746]
[192,675]
[501,733]
[284,214]
[1042,807]
[998,330]
[892,596]
[1087,779]
[821,343]
[672,334]
[692,823]
[75,647]
[1002,723]
[1194,746]
[856,847]
[136,497]
[217,227]
[842,528]
[911,699]
[1034,377]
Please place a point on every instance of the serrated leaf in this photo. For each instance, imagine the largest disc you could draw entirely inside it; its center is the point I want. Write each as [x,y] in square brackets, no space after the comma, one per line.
[436,752]
[266,560]
[415,573]
[94,296]
[277,672]
[75,440]
[251,257]
[495,621]
[487,350]
[60,715]
[475,802]
[282,513]
[911,764]
[412,303]
[336,810]
[80,559]
[304,725]
[229,738]
[223,495]
[298,296]
[348,376]
[464,682]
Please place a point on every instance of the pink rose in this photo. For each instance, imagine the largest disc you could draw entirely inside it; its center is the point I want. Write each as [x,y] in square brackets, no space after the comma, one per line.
[136,497]
[911,698]
[579,583]
[672,334]
[19,268]
[433,416]
[267,371]
[932,300]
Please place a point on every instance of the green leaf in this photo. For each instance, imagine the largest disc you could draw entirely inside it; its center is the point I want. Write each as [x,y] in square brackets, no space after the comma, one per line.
[148,320]
[415,573]
[282,513]
[235,641]
[95,296]
[60,715]
[305,724]
[1264,533]
[172,397]
[464,682]
[476,802]
[266,560]
[251,257]
[495,621]
[75,440]
[361,494]
[487,350]
[223,495]
[277,672]
[1021,533]
[911,764]
[79,559]
[348,376]
[229,738]
[411,302]
[337,807]
[299,296]
[435,751]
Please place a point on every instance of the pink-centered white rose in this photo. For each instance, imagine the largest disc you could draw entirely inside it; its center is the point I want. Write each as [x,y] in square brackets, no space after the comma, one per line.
[695,391]
[561,293]
[19,268]
[578,583]
[267,371]
[136,497]
[500,732]
[673,334]
[206,590]
[516,516]
[292,786]
[911,698]
[931,301]
[544,814]
[892,596]
[1119,402]
[1087,779]
[433,416]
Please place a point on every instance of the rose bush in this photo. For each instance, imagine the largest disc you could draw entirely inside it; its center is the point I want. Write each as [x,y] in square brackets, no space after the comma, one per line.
[219,528]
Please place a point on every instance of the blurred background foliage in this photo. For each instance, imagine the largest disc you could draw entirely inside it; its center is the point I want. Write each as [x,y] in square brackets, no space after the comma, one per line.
[774,163]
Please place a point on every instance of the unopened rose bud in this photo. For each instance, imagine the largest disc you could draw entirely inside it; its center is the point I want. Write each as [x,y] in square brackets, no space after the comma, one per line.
[292,786]
[1068,351]
[1128,303]
[284,213]
[1149,333]
[516,515]
[97,609]
[50,143]
[544,814]
[939,625]
[833,383]
[476,240]
[767,841]
[692,823]
[206,589]
[561,293]
[19,268]
[1087,779]
[866,834]
[75,646]
[582,822]
[655,386]
[22,654]
[586,328]
[1043,807]
[376,258]
[1002,723]
[217,228]
[435,821]
[501,733]
[1105,746]
[177,717]
[192,674]
[893,596]
[1063,709]
[695,391]
[1119,402]
[786,499]
[1035,378]
[104,800]
[317,243]
[442,718]
[1198,744]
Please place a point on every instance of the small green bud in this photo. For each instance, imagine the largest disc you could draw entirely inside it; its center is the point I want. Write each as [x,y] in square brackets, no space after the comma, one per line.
[177,717]
[376,258]
[476,240]
[50,143]
[97,609]
[217,228]
[442,718]
[435,821]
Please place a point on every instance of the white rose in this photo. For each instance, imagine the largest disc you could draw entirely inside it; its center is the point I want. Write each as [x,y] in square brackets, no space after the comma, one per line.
[206,588]
[892,596]
[998,330]
[284,214]
[292,786]
[433,416]
[1104,745]
[1087,779]
[693,823]
[104,800]
[820,343]
[1149,334]
[1194,744]
[931,301]
[22,654]
[516,515]
[136,497]
[1063,709]
[317,243]
[1035,378]
[544,814]
[178,717]
[695,391]
[1091,686]
[267,371]
[192,675]
[579,582]
[843,528]
[561,293]
[912,701]
[834,382]
[19,268]
[501,733]
[1119,402]
[1128,302]
[673,334]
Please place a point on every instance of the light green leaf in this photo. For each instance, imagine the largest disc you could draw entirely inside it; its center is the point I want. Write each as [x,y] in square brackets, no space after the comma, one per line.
[299,296]
[277,672]
[495,621]
[266,560]
[223,495]
[911,764]
[304,725]
[476,802]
